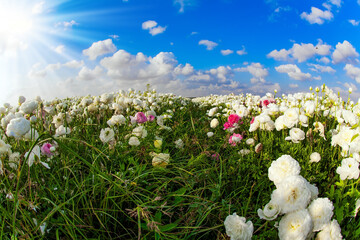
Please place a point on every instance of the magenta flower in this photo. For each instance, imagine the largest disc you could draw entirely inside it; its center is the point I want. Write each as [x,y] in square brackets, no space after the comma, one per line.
[227,125]
[252,120]
[140,117]
[234,139]
[151,118]
[266,102]
[233,118]
[45,149]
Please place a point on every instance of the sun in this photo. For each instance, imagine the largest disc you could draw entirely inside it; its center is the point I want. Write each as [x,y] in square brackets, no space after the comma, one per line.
[15,21]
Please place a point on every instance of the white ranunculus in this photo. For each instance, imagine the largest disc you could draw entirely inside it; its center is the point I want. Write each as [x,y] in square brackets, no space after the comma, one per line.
[134,141]
[29,106]
[250,141]
[18,127]
[34,153]
[295,225]
[321,212]
[291,117]
[292,194]
[315,157]
[331,231]
[349,169]
[210,134]
[237,228]
[214,123]
[116,120]
[160,159]
[270,211]
[296,135]
[140,131]
[283,167]
[61,130]
[279,123]
[107,135]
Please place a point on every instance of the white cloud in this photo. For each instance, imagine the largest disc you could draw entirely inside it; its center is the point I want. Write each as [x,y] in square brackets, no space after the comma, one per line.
[114,36]
[353,72]
[222,73]
[281,55]
[226,52]
[301,52]
[353,22]
[38,8]
[317,16]
[10,46]
[99,48]
[184,70]
[293,85]
[293,71]
[182,4]
[60,49]
[151,26]
[344,52]
[336,2]
[242,51]
[87,74]
[37,72]
[320,68]
[210,45]
[350,85]
[324,60]
[74,64]
[148,24]
[66,25]
[257,70]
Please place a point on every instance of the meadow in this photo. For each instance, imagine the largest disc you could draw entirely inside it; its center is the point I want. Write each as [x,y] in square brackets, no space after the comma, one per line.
[145,165]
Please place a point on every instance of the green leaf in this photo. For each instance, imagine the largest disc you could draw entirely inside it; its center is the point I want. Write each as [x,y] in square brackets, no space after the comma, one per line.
[168,227]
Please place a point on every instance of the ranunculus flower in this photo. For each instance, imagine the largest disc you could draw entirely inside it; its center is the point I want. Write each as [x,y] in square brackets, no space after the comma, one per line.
[237,228]
[18,127]
[234,139]
[233,118]
[140,117]
[46,149]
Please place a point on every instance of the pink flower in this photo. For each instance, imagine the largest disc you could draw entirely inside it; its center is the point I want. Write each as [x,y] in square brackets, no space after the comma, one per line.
[215,156]
[252,120]
[233,118]
[140,117]
[266,102]
[45,149]
[151,118]
[227,125]
[234,139]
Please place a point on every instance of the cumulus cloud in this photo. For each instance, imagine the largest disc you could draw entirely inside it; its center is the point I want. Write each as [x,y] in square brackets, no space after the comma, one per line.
[324,60]
[301,52]
[66,25]
[293,85]
[320,68]
[210,45]
[184,70]
[182,4]
[153,27]
[344,52]
[257,70]
[317,16]
[59,49]
[353,72]
[37,72]
[242,51]
[87,74]
[100,48]
[10,45]
[226,52]
[353,22]
[293,71]
[336,2]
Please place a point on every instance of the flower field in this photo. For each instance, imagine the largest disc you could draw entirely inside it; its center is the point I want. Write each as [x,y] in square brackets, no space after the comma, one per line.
[145,165]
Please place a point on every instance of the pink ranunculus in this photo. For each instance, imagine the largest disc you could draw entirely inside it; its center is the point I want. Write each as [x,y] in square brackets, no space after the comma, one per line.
[227,125]
[215,156]
[233,118]
[266,102]
[151,118]
[252,120]
[45,149]
[140,117]
[234,139]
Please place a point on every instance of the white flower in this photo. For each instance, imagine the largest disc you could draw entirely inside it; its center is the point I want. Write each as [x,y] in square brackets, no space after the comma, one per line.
[107,135]
[244,152]
[179,144]
[210,134]
[160,159]
[296,135]
[134,141]
[315,157]
[283,167]
[4,148]
[270,212]
[319,127]
[291,117]
[31,135]
[18,127]
[280,124]
[309,107]
[237,228]
[303,120]
[212,111]
[140,131]
[292,194]
[331,231]
[250,141]
[321,212]
[357,207]
[116,120]
[14,159]
[349,169]
[28,106]
[295,225]
[34,153]
[61,130]
[214,123]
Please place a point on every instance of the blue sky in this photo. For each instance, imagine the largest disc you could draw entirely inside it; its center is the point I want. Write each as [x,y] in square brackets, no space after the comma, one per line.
[64,48]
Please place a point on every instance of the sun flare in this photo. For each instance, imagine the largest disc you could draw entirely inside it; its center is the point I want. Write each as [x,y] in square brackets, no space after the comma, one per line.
[14,21]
